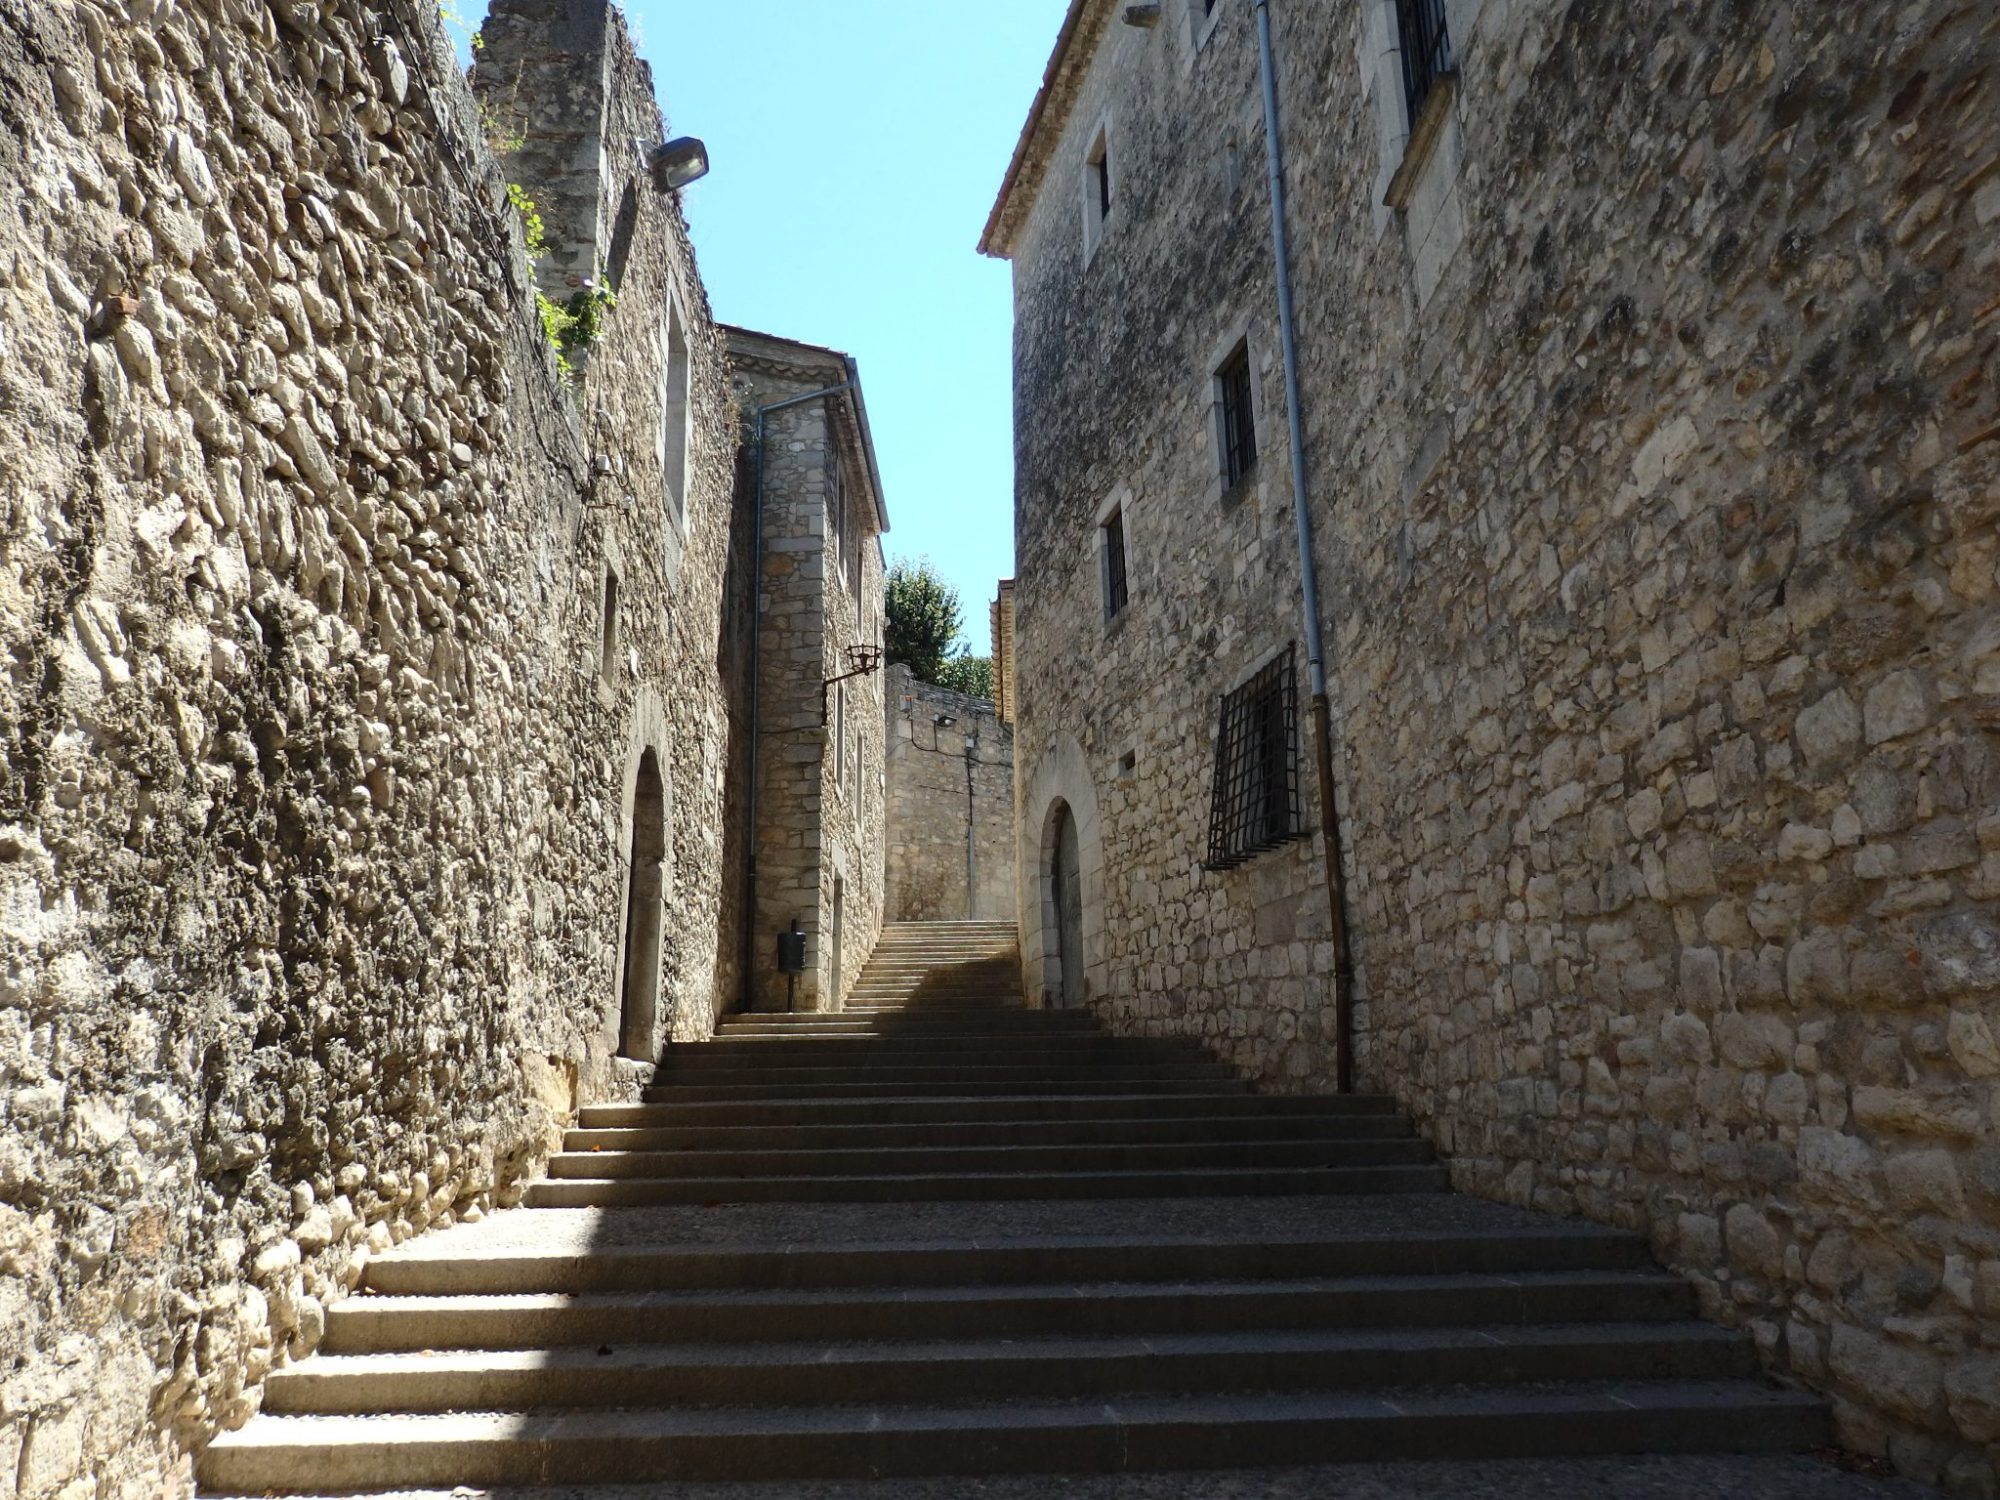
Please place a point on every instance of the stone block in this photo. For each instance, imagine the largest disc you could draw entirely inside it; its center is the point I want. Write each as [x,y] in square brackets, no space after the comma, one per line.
[1754,1244]
[1972,1392]
[1900,704]
[1840,1167]
[1961,953]
[1828,732]
[1907,1381]
[1971,1038]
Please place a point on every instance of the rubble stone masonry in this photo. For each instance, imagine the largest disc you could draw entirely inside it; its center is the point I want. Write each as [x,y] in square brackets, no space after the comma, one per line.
[950,826]
[318,755]
[1655,452]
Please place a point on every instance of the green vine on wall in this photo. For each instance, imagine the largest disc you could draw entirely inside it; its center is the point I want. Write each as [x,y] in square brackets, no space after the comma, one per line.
[578,325]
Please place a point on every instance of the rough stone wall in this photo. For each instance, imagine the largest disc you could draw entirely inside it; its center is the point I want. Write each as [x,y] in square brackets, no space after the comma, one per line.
[819,803]
[1656,485]
[946,797]
[315,800]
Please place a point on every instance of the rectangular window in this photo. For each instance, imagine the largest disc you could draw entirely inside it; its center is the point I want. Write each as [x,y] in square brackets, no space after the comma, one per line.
[1103,168]
[837,516]
[1113,542]
[1426,45]
[1255,804]
[1239,420]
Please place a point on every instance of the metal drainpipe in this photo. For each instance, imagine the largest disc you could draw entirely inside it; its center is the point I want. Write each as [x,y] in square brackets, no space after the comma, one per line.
[971,889]
[1336,895]
[749,996]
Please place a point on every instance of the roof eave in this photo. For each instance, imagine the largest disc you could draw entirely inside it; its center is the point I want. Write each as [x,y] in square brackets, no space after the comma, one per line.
[1084,19]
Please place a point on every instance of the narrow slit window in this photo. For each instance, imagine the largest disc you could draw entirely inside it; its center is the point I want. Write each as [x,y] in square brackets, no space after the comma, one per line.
[1099,189]
[1116,592]
[607,658]
[675,377]
[1235,399]
[1255,801]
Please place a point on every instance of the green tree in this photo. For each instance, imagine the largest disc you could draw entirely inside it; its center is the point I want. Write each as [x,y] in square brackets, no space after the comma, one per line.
[921,618]
[968,674]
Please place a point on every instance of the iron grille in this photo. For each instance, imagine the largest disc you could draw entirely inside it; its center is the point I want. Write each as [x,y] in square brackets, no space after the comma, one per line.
[1256,799]
[1420,26]
[1114,564]
[1239,422]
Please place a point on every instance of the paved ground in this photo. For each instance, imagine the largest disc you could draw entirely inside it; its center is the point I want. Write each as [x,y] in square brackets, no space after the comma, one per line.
[1567,1479]
[562,1229]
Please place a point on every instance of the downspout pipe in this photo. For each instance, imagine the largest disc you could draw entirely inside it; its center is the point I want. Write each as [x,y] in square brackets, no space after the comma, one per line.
[749,985]
[971,869]
[1336,894]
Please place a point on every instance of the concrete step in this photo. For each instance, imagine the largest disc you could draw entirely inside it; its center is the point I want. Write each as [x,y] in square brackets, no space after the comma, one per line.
[952,1088]
[973,1134]
[968,973]
[1087,1157]
[984,1023]
[377,1324]
[997,1106]
[985,1187]
[915,1025]
[701,1068]
[883,994]
[1054,1367]
[1077,1047]
[942,961]
[289,1455]
[1073,1264]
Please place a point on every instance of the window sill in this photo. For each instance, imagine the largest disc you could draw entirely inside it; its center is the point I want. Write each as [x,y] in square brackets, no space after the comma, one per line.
[1424,137]
[1235,494]
[1115,623]
[1246,857]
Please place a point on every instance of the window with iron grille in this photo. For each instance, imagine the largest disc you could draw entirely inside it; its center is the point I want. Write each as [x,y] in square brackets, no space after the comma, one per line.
[1255,805]
[1115,590]
[1420,27]
[1239,421]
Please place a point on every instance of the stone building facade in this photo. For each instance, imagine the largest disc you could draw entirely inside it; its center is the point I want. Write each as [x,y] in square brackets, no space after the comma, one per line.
[812,478]
[375,713]
[1001,615]
[1649,412]
[949,836]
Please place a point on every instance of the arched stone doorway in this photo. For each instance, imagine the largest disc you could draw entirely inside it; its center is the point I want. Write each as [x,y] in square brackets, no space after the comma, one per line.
[645,895]
[1065,877]
[1061,871]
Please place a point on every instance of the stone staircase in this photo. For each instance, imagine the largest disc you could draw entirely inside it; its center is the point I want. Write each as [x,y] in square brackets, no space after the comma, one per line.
[937,1234]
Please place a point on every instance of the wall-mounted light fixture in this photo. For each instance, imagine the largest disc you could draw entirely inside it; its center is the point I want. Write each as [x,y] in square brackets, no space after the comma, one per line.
[865,660]
[943,721]
[680,162]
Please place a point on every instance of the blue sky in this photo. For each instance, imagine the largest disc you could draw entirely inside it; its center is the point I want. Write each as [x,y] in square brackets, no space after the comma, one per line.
[858,146]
